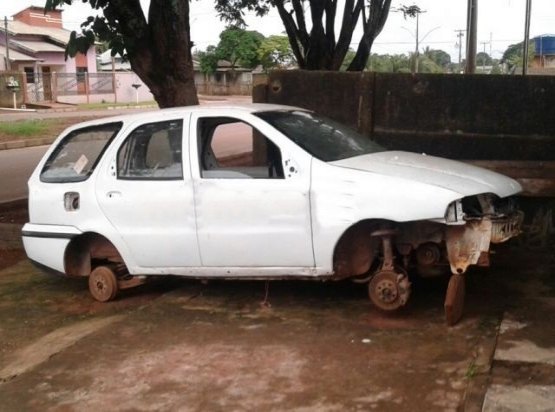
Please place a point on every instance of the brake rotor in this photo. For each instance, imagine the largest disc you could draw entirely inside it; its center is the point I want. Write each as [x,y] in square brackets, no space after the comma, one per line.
[389,290]
[454,299]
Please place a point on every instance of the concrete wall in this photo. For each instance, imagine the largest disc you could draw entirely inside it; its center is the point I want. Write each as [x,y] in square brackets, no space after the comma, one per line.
[224,83]
[457,116]
[124,89]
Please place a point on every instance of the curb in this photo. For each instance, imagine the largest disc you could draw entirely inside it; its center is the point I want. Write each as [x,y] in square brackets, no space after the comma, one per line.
[20,144]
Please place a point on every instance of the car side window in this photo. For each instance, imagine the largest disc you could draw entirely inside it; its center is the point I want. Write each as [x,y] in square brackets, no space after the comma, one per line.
[76,156]
[232,149]
[152,152]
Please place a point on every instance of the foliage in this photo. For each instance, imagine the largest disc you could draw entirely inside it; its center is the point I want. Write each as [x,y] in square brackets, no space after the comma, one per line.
[349,56]
[158,48]
[483,59]
[239,47]
[208,60]
[275,52]
[439,57]
[409,11]
[401,63]
[396,63]
[513,56]
[317,47]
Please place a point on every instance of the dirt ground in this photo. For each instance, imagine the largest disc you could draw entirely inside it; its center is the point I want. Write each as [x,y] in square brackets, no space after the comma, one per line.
[178,344]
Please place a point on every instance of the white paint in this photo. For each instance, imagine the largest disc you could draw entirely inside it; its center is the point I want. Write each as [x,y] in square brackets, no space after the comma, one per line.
[227,227]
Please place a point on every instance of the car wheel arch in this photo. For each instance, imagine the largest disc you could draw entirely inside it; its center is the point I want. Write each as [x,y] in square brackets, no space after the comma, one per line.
[355,250]
[88,250]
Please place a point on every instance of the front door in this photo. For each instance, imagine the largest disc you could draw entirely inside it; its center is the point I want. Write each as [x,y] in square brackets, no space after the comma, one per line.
[147,194]
[251,199]
[47,83]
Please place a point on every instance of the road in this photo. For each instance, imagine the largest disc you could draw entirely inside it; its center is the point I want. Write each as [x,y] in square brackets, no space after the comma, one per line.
[16,166]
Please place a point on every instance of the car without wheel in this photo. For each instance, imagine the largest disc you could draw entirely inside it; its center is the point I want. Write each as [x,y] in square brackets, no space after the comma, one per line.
[259,191]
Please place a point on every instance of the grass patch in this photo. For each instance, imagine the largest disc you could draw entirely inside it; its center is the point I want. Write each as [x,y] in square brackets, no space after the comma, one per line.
[96,106]
[23,128]
[39,128]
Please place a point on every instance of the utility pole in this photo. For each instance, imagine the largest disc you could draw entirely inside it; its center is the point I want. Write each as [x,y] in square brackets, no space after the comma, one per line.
[490,44]
[417,44]
[8,63]
[484,57]
[526,37]
[471,30]
[460,34]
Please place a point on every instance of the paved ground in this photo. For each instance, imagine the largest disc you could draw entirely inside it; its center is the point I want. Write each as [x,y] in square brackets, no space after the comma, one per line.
[184,345]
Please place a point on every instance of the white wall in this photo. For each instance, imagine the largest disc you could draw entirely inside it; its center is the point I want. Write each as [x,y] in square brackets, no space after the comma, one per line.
[124,90]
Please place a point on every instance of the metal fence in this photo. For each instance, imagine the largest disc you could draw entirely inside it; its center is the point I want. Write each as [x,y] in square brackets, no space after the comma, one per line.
[46,86]
[82,83]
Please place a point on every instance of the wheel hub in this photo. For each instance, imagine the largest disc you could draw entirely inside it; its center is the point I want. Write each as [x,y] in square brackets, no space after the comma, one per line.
[389,289]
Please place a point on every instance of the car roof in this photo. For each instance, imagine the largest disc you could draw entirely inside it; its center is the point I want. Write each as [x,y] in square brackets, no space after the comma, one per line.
[161,114]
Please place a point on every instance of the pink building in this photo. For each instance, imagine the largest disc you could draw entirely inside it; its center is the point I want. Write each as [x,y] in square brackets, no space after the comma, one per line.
[37,44]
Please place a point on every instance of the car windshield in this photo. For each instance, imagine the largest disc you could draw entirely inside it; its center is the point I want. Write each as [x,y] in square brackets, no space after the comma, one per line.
[323,138]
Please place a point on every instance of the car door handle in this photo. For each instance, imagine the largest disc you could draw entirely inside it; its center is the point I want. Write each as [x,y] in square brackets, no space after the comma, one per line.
[112,194]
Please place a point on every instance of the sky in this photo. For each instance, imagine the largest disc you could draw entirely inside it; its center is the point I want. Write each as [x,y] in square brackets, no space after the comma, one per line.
[500,23]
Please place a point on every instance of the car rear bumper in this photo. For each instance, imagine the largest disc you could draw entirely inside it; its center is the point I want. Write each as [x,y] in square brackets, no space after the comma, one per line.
[46,244]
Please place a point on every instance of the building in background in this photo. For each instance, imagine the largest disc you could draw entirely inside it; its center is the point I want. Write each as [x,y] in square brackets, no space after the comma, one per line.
[37,43]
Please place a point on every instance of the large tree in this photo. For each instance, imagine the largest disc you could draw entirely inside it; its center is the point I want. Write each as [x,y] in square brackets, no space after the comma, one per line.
[239,47]
[275,52]
[318,47]
[158,48]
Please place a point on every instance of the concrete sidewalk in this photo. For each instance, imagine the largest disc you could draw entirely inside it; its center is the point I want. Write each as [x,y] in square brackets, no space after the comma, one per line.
[523,373]
[10,116]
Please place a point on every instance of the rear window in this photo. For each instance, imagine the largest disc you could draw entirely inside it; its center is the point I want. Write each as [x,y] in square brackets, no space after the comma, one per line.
[76,156]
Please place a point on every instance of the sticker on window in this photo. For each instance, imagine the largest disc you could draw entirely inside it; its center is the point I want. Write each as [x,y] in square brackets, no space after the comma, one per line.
[80,164]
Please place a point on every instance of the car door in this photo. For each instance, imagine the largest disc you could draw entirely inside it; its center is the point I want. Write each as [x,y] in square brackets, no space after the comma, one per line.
[251,194]
[146,193]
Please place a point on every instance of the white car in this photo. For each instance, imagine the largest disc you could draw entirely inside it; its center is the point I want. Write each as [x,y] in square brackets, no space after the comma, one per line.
[258,192]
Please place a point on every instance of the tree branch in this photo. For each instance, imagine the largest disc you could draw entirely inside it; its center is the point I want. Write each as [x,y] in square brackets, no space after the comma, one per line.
[292,33]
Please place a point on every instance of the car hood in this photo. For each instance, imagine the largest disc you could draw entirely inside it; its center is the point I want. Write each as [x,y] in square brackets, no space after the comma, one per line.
[449,174]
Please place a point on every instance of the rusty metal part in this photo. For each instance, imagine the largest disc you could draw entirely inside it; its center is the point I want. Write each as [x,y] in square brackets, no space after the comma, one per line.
[428,254]
[483,260]
[466,243]
[131,282]
[103,284]
[389,289]
[355,252]
[82,249]
[454,299]
[506,228]
[418,233]
[387,247]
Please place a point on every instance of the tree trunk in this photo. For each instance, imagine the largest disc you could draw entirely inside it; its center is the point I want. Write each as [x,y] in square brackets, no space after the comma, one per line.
[163,58]
[361,57]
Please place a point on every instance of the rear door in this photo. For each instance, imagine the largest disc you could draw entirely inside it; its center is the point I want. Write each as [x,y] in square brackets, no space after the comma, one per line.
[146,193]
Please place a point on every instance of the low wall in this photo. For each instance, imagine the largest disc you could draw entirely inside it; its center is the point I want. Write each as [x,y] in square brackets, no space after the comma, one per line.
[456,116]
[504,123]
[125,92]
